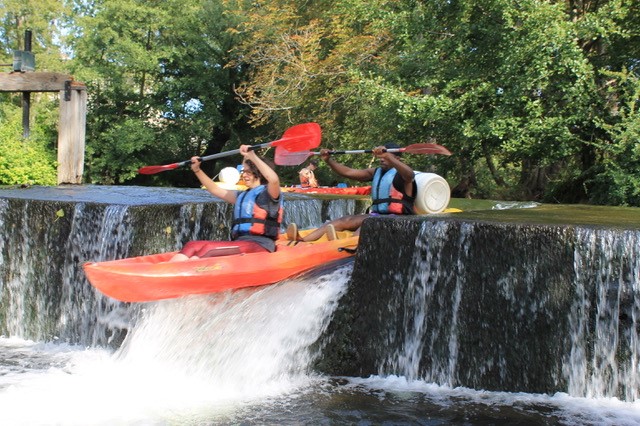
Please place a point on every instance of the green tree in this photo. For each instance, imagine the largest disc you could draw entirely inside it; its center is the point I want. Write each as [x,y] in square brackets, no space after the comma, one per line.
[43,19]
[30,161]
[537,99]
[514,89]
[159,90]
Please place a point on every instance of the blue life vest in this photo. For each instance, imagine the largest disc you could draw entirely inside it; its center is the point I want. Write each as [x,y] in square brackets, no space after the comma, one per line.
[385,197]
[255,213]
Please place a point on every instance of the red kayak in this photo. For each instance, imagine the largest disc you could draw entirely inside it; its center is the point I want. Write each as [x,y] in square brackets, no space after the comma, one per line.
[350,190]
[154,277]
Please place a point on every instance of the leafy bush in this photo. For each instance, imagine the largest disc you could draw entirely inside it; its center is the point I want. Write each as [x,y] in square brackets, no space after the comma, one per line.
[23,161]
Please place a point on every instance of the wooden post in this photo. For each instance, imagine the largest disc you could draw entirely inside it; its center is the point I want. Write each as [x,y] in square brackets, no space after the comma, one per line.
[26,111]
[73,115]
[26,96]
[71,134]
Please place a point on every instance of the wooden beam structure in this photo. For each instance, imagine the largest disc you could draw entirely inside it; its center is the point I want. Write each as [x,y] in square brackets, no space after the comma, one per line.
[33,81]
[73,115]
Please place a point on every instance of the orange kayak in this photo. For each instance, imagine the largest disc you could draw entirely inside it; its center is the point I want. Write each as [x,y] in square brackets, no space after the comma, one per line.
[334,190]
[154,277]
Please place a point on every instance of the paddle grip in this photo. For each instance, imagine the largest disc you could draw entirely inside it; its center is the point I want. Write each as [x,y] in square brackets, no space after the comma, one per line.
[230,153]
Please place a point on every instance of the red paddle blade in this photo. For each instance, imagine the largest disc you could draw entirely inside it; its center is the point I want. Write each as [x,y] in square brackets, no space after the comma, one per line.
[152,170]
[284,157]
[301,137]
[426,148]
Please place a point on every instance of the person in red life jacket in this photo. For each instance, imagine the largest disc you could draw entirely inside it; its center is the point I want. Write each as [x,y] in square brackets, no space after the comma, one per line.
[257,212]
[307,175]
[393,191]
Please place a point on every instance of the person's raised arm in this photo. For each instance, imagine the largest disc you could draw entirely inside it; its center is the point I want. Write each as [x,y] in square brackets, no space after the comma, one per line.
[362,175]
[273,180]
[209,184]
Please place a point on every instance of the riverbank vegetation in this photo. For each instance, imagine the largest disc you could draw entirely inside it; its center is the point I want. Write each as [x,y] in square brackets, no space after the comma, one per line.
[538,100]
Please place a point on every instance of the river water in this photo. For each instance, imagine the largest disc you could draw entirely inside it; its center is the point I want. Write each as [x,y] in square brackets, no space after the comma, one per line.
[244,358]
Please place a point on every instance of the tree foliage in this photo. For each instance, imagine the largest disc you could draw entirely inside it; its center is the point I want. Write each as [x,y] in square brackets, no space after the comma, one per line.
[157,83]
[23,162]
[529,95]
[538,99]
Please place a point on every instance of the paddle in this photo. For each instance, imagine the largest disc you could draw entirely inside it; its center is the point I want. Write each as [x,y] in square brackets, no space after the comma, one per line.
[285,156]
[301,137]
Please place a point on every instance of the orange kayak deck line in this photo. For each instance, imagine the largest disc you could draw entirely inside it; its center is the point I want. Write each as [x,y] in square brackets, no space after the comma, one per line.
[351,190]
[154,277]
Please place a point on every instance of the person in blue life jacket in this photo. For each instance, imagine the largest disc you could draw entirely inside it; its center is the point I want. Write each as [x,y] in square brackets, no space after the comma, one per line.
[257,212]
[393,191]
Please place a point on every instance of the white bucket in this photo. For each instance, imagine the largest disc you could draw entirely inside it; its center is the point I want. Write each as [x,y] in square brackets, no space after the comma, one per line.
[229,175]
[433,193]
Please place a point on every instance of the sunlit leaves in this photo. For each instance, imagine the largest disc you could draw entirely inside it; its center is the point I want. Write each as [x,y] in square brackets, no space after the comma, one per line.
[23,162]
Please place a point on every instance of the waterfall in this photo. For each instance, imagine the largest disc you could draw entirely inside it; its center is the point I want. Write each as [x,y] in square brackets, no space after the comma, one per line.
[99,234]
[238,340]
[607,306]
[453,300]
[496,306]
[421,331]
[45,295]
[225,358]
